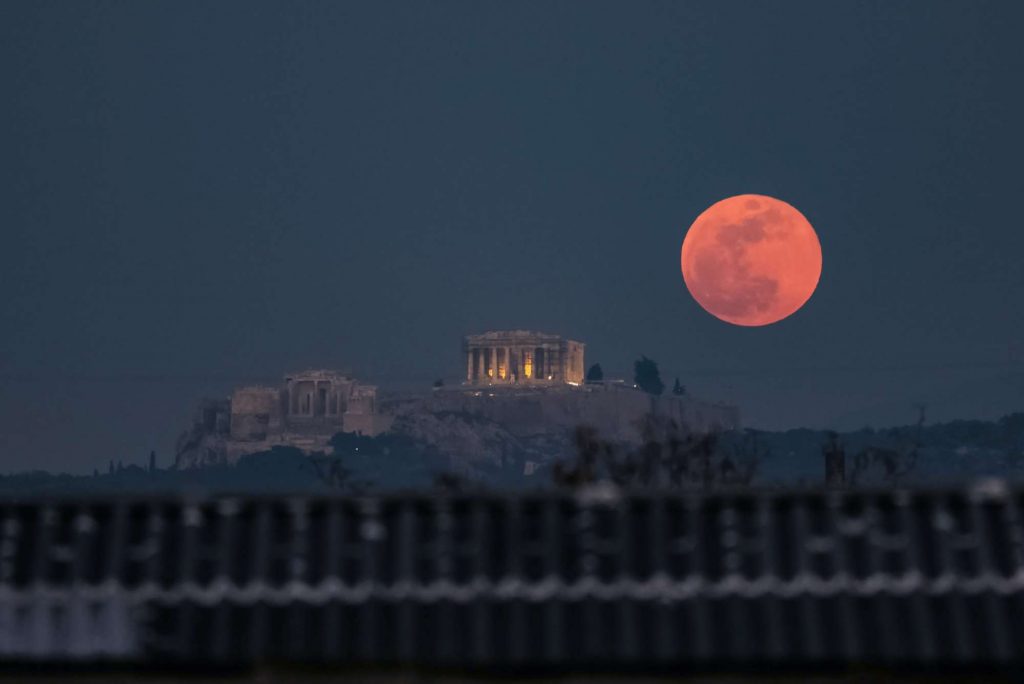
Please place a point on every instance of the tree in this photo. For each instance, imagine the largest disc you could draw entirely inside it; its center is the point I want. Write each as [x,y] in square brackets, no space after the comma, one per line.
[835,460]
[332,473]
[892,464]
[152,461]
[670,457]
[110,467]
[677,389]
[647,377]
[595,374]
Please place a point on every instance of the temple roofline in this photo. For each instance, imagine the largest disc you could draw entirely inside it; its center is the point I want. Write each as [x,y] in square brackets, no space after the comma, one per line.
[522,357]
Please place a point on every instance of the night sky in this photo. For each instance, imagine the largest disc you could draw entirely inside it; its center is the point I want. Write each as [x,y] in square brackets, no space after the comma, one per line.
[195,195]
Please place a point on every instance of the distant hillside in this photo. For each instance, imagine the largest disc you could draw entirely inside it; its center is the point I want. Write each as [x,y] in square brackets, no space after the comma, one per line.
[938,453]
[944,451]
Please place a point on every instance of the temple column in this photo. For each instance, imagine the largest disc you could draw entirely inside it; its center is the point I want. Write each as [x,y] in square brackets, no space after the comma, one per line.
[469,365]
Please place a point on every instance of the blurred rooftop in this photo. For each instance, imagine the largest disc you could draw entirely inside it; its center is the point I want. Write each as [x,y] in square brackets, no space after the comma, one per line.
[599,581]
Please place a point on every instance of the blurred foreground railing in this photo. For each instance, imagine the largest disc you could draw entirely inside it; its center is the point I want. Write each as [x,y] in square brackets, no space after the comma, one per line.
[588,580]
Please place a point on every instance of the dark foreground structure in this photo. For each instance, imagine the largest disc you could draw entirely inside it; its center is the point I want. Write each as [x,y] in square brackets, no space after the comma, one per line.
[908,586]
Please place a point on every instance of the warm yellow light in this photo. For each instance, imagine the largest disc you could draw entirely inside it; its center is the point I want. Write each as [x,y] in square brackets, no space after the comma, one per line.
[501,372]
[528,367]
[490,372]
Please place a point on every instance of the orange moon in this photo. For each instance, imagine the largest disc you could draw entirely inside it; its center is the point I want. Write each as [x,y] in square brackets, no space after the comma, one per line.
[751,260]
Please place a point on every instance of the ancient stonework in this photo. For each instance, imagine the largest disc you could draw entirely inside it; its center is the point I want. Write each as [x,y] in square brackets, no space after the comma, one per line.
[615,410]
[521,401]
[305,411]
[522,357]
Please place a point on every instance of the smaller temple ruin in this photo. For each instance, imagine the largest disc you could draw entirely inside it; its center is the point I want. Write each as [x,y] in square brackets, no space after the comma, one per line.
[310,402]
[305,411]
[522,357]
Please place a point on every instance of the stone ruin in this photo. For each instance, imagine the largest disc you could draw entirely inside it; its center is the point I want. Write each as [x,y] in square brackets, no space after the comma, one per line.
[305,411]
[522,357]
[522,398]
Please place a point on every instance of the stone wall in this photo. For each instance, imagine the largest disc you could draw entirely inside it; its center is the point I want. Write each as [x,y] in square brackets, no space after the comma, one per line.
[255,413]
[574,365]
[368,424]
[616,412]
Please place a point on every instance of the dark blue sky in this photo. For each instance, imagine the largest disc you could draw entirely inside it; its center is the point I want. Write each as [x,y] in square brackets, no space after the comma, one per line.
[195,194]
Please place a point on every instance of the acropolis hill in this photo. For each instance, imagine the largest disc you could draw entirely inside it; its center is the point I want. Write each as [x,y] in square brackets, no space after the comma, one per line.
[522,396]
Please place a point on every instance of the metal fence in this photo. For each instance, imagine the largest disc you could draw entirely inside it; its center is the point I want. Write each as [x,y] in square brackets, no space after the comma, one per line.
[598,578]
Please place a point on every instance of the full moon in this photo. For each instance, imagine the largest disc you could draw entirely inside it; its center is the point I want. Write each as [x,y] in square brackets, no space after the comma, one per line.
[751,260]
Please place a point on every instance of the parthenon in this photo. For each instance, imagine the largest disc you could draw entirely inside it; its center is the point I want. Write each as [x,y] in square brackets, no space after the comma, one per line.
[522,357]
